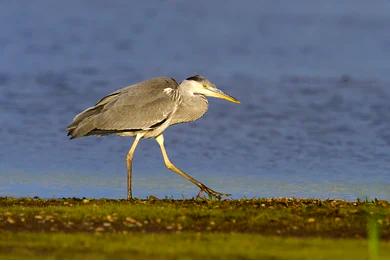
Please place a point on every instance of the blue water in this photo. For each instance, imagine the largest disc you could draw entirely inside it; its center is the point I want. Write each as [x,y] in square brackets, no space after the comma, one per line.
[313,80]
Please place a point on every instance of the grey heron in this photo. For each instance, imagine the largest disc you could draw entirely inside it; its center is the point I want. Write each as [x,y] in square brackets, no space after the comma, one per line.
[145,110]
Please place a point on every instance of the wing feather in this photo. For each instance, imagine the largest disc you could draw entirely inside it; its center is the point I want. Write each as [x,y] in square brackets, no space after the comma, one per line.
[136,107]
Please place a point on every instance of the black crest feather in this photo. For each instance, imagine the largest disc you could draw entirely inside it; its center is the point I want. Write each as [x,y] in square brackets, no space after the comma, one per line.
[196,78]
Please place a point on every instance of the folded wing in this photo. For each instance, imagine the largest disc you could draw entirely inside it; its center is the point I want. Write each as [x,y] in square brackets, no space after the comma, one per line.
[141,106]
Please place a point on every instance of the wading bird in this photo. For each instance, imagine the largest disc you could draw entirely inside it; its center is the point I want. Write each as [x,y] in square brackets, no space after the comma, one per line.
[145,110]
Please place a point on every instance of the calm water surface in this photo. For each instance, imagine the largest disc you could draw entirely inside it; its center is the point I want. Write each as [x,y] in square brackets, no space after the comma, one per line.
[313,80]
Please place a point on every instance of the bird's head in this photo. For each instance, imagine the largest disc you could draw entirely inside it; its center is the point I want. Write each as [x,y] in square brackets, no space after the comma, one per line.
[200,85]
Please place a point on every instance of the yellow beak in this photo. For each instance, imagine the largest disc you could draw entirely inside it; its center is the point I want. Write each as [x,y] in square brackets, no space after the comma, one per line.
[221,95]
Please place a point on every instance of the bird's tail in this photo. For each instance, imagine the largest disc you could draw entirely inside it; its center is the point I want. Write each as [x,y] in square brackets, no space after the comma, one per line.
[82,124]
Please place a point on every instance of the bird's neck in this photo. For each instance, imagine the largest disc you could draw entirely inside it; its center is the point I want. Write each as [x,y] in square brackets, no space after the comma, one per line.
[191,107]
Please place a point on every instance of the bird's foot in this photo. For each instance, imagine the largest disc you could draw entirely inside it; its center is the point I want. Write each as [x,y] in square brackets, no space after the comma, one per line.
[212,194]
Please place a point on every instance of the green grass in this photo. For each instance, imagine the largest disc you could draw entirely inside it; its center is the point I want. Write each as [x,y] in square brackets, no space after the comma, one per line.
[255,228]
[179,246]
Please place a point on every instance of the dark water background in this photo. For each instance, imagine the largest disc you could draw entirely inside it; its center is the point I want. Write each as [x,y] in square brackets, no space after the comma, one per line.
[313,78]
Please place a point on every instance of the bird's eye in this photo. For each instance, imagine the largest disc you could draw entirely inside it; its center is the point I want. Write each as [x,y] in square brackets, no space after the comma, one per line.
[204,85]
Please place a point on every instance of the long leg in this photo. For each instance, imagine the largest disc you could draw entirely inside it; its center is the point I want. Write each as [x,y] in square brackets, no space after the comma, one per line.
[129,162]
[170,166]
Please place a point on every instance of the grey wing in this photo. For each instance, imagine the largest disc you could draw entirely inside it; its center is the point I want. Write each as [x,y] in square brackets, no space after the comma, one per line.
[141,106]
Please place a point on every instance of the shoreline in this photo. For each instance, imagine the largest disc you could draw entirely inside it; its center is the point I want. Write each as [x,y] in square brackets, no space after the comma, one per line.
[74,228]
[279,217]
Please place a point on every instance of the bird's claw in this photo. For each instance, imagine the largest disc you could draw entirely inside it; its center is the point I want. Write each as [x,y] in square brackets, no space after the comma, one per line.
[211,193]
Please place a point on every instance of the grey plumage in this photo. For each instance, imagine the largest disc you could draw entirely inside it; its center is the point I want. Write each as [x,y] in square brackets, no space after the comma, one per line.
[139,107]
[145,110]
